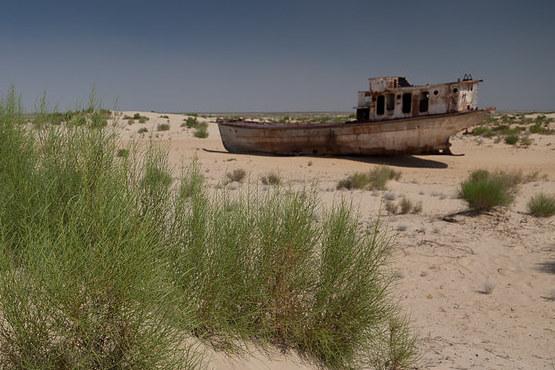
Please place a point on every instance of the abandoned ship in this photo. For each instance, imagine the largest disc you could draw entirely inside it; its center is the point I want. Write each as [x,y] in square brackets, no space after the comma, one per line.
[392,117]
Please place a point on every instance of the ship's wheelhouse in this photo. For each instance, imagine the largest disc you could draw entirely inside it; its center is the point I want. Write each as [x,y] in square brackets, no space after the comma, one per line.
[395,97]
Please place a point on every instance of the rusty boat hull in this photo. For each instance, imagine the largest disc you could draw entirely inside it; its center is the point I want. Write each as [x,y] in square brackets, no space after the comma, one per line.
[417,135]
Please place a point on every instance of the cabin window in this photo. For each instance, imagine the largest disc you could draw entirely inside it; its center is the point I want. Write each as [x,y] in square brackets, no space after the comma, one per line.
[407,102]
[390,102]
[363,115]
[380,105]
[424,101]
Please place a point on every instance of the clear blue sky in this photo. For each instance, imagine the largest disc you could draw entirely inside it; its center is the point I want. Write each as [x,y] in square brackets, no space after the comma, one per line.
[287,55]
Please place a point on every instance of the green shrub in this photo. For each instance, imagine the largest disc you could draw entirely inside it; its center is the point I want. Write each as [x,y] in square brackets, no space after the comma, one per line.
[375,179]
[506,130]
[123,153]
[136,117]
[541,129]
[78,119]
[482,131]
[191,122]
[511,139]
[542,205]
[83,282]
[307,285]
[192,182]
[201,130]
[97,119]
[105,264]
[484,190]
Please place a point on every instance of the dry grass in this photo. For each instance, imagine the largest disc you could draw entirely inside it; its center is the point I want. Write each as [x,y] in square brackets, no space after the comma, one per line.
[542,205]
[487,287]
[375,179]
[163,127]
[404,206]
[237,175]
[271,179]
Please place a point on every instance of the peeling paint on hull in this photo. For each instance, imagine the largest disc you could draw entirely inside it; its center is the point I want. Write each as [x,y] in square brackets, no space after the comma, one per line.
[418,135]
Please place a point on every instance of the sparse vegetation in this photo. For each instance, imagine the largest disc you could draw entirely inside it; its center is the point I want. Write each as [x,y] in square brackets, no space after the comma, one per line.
[407,206]
[511,139]
[404,206]
[163,127]
[271,179]
[541,125]
[112,264]
[237,175]
[142,130]
[123,153]
[92,116]
[525,141]
[201,130]
[487,288]
[135,117]
[511,128]
[375,179]
[484,190]
[391,207]
[542,205]
[191,122]
[483,131]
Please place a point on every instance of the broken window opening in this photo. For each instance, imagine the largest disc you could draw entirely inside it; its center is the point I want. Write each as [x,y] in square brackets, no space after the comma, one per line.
[390,102]
[380,105]
[424,101]
[363,115]
[407,102]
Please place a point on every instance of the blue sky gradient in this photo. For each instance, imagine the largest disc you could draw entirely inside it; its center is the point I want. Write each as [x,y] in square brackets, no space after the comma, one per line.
[272,55]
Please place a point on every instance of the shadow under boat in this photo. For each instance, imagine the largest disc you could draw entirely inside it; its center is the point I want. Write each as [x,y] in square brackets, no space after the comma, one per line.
[405,160]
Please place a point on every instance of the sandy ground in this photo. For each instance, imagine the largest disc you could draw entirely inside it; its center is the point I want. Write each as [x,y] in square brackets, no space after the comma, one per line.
[442,268]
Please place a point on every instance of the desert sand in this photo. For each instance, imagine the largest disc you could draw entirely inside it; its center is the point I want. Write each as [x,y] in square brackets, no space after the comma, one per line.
[479,290]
